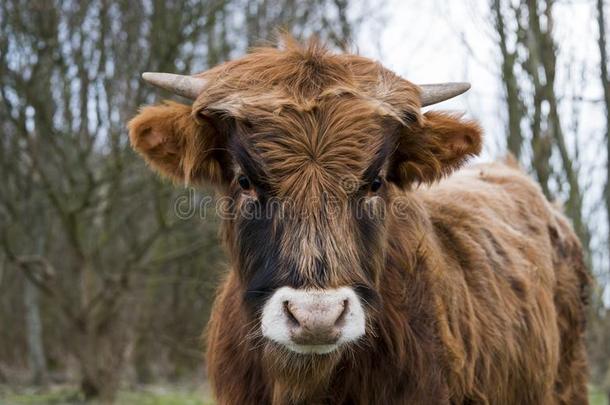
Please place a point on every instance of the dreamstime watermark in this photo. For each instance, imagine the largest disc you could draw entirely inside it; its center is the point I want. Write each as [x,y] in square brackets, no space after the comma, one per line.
[194,204]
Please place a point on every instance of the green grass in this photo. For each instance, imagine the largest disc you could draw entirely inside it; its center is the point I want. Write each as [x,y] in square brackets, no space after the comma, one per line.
[33,397]
[167,398]
[597,397]
[70,396]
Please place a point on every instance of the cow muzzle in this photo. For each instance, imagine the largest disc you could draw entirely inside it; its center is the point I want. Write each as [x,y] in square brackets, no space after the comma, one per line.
[311,321]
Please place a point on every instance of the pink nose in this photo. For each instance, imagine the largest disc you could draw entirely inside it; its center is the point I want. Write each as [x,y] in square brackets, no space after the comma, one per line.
[313,321]
[316,322]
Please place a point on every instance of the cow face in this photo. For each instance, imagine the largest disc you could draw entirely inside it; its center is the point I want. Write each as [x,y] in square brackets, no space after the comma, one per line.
[313,150]
[308,201]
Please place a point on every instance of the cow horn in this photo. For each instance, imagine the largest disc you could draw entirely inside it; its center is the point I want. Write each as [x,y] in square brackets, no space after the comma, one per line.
[185,86]
[435,93]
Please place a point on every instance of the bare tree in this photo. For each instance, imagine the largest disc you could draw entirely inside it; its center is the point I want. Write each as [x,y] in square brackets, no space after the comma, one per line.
[514,104]
[605,81]
[534,51]
[602,332]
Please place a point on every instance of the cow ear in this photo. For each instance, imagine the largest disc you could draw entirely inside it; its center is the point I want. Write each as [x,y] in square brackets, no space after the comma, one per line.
[178,145]
[433,147]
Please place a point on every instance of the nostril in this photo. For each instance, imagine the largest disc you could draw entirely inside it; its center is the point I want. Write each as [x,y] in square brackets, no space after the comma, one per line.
[341,319]
[289,315]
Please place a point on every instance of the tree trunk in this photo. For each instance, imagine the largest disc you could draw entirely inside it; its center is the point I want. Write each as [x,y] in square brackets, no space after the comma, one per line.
[103,340]
[514,138]
[605,79]
[36,354]
[31,302]
[543,55]
[101,361]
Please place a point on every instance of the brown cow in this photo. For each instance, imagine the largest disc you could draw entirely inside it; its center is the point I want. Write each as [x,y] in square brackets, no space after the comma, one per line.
[358,275]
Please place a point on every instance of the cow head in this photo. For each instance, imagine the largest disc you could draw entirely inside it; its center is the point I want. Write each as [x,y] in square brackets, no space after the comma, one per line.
[312,148]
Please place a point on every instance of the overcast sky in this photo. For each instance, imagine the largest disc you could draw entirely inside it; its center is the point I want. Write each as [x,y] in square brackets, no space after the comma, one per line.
[442,40]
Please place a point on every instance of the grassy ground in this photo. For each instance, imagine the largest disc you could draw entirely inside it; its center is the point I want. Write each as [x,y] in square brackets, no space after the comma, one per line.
[143,396]
[597,398]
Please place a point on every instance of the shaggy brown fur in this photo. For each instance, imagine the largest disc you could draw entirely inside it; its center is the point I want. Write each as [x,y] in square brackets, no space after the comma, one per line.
[474,286]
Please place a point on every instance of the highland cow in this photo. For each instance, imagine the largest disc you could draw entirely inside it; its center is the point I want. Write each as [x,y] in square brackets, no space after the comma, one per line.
[374,280]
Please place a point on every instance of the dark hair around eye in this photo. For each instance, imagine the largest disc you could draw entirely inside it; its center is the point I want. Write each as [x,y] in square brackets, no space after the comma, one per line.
[376,184]
[244,182]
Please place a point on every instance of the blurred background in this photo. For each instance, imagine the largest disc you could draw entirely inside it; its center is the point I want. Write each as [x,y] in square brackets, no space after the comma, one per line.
[104,290]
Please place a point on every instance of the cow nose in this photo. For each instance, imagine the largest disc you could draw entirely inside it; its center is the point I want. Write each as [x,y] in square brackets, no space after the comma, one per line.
[316,322]
[313,321]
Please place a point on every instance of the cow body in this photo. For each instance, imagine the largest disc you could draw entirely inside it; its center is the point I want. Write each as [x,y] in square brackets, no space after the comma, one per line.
[358,273]
[483,302]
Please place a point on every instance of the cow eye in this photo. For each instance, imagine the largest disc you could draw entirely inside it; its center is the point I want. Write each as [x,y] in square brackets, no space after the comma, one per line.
[376,184]
[244,182]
